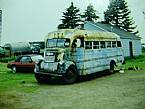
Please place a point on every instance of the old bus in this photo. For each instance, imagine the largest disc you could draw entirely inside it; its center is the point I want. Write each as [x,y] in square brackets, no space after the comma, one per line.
[72,52]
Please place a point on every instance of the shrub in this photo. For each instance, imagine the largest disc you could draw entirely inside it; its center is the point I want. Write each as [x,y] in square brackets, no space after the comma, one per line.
[7,59]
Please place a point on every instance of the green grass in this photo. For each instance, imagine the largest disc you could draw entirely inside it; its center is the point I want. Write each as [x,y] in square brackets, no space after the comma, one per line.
[135,62]
[17,80]
[7,59]
[3,68]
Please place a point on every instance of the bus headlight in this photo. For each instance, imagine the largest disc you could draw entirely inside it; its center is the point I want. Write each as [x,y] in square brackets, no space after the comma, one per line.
[61,62]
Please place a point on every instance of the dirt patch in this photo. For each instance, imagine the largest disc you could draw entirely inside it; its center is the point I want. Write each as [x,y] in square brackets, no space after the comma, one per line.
[8,101]
[114,91]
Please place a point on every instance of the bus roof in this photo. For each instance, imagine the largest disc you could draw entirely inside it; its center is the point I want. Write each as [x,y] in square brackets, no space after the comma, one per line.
[87,35]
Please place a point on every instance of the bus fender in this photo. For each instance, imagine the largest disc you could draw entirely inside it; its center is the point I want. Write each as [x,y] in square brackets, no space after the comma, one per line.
[68,64]
[113,62]
[112,66]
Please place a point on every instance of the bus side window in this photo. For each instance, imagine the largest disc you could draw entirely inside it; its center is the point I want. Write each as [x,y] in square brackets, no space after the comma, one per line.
[119,44]
[108,44]
[102,43]
[67,43]
[96,45]
[88,44]
[113,44]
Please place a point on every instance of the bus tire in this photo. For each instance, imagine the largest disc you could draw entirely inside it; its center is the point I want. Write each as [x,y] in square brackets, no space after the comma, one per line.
[112,66]
[70,75]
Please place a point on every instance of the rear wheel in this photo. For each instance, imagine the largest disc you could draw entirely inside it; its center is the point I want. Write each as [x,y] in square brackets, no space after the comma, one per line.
[70,75]
[14,69]
[112,66]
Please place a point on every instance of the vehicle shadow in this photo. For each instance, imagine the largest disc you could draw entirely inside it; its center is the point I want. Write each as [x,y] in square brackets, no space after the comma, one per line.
[59,81]
[94,76]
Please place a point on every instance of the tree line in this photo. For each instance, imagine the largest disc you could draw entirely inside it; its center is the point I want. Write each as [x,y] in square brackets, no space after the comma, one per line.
[117,14]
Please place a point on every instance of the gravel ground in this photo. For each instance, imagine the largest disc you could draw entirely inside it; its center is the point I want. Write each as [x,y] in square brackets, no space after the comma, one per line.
[115,91]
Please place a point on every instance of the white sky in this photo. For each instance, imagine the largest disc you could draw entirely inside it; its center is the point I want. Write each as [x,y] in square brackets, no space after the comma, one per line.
[31,20]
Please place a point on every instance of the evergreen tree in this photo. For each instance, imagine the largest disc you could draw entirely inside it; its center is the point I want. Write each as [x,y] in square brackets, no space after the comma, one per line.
[90,14]
[113,13]
[71,18]
[118,14]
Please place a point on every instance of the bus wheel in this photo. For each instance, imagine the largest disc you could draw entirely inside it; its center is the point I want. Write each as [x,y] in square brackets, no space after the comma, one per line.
[70,75]
[112,66]
[39,78]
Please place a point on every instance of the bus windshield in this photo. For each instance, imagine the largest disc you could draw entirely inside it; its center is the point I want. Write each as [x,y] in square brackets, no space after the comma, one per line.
[58,43]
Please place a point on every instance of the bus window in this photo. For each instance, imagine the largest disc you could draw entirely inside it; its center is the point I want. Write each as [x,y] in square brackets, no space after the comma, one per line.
[108,44]
[96,45]
[67,43]
[88,44]
[113,44]
[102,44]
[119,44]
[57,42]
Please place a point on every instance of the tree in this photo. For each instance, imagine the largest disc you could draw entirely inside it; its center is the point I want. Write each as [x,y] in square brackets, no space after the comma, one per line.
[113,14]
[90,14]
[71,18]
[118,14]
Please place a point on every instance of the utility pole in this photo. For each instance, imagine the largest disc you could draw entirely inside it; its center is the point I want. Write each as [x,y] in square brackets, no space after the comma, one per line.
[0,25]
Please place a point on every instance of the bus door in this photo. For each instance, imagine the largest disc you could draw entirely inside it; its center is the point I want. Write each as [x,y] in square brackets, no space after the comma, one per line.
[78,54]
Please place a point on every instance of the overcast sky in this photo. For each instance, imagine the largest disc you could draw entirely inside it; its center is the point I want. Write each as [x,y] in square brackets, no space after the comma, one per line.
[31,20]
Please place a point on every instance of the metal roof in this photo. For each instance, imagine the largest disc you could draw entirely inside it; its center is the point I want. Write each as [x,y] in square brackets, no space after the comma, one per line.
[107,27]
[88,35]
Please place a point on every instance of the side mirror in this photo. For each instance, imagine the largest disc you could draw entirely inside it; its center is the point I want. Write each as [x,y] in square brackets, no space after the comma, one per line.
[66,44]
[78,43]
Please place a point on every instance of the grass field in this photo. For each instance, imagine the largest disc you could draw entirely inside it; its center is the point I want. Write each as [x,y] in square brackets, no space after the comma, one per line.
[115,91]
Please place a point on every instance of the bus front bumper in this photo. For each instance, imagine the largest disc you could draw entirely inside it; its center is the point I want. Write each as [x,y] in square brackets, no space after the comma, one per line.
[49,74]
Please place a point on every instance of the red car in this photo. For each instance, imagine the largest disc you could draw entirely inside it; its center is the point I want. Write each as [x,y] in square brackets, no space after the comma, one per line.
[24,63]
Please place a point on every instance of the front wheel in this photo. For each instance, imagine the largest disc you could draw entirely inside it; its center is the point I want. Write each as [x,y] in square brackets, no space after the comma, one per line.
[70,75]
[39,78]
[14,69]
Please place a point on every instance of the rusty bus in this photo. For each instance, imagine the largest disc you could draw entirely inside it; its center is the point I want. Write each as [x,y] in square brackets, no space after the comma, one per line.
[70,53]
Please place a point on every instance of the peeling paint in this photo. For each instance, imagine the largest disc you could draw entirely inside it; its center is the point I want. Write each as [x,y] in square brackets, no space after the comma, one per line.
[87,61]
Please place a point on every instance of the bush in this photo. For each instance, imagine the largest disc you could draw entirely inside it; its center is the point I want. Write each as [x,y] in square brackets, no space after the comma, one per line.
[7,59]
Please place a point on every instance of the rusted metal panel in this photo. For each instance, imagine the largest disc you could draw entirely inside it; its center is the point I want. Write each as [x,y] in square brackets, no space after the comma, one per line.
[88,35]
